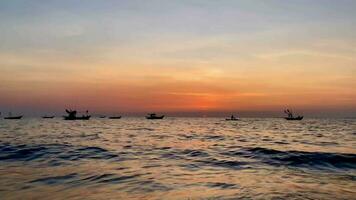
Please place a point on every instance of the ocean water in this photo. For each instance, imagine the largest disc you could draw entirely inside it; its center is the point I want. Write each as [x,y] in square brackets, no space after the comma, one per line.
[178,158]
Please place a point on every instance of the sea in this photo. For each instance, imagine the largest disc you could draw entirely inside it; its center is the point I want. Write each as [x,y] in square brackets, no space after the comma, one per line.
[177,159]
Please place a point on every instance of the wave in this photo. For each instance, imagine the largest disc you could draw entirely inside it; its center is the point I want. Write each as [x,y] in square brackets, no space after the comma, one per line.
[244,158]
[234,158]
[55,179]
[54,154]
[221,185]
[110,178]
[80,179]
[232,164]
[303,159]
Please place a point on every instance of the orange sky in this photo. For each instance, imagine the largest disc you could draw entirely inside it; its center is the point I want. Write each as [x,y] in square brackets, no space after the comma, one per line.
[188,58]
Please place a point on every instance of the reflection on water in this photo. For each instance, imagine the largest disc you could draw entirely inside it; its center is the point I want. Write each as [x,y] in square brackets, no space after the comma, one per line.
[178,158]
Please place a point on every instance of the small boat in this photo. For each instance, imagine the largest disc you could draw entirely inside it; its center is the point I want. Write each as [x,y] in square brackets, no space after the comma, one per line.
[72,115]
[294,118]
[47,117]
[291,115]
[115,117]
[232,118]
[154,116]
[84,117]
[229,119]
[13,117]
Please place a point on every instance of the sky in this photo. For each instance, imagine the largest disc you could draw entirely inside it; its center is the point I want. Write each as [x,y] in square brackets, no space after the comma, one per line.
[182,57]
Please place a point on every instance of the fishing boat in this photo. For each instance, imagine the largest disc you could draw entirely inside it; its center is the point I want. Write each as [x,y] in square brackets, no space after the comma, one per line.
[232,118]
[72,115]
[13,117]
[115,117]
[154,116]
[291,115]
[84,117]
[47,117]
[294,118]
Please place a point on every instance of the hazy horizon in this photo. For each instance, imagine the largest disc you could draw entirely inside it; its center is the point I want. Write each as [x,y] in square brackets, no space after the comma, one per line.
[193,58]
[218,114]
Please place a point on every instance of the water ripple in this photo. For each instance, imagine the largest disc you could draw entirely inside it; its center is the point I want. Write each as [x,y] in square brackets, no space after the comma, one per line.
[178,158]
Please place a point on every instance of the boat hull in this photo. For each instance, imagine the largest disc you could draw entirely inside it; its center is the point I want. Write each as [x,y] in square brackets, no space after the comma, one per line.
[77,118]
[16,117]
[155,117]
[294,118]
[47,117]
[115,117]
[232,119]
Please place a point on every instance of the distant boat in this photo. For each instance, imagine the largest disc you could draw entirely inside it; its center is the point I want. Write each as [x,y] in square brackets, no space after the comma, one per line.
[232,118]
[72,115]
[291,115]
[47,117]
[13,117]
[294,118]
[115,117]
[154,116]
[102,116]
[84,117]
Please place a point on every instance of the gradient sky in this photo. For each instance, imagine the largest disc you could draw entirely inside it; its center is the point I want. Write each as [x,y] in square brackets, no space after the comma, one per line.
[220,56]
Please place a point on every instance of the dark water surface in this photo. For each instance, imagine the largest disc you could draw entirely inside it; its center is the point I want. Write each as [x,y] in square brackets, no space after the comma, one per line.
[178,158]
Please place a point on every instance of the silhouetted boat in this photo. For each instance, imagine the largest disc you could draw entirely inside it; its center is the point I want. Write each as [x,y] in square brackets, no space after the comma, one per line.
[291,116]
[227,119]
[72,115]
[84,117]
[47,117]
[294,118]
[154,116]
[13,117]
[115,117]
[232,118]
